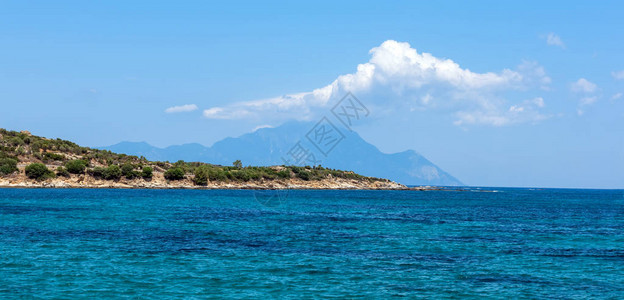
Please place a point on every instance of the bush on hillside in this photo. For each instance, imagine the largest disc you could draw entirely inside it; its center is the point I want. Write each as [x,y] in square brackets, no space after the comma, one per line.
[97,172]
[284,174]
[174,174]
[76,166]
[38,171]
[113,172]
[127,170]
[8,166]
[147,172]
[201,175]
[61,171]
[50,156]
[304,175]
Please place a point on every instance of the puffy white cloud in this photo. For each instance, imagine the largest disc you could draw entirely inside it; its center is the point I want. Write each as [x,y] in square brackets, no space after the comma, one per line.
[619,75]
[554,40]
[584,86]
[181,108]
[616,96]
[399,78]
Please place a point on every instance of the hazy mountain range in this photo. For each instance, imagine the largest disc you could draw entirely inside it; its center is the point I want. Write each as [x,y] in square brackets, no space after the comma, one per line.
[285,144]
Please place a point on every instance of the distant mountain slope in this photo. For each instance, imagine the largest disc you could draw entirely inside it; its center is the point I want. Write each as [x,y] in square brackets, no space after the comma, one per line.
[268,146]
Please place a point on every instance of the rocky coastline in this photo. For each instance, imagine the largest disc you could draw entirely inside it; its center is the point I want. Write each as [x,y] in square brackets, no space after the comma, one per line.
[159,182]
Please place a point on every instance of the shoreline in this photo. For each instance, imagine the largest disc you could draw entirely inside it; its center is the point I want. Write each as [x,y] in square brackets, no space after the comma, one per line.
[88,182]
[220,188]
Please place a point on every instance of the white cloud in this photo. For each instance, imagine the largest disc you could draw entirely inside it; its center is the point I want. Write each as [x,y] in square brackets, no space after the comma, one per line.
[230,114]
[525,112]
[554,40]
[397,78]
[261,126]
[616,96]
[181,108]
[584,86]
[588,100]
[532,71]
[619,75]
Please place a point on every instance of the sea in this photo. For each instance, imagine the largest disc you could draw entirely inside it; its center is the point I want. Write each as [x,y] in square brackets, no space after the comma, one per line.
[457,243]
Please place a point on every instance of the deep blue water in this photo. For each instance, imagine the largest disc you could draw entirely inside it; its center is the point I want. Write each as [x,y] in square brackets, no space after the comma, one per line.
[516,243]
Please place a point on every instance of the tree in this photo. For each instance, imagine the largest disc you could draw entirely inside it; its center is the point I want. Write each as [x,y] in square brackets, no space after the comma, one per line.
[237,164]
[174,174]
[38,171]
[147,172]
[201,175]
[8,166]
[76,166]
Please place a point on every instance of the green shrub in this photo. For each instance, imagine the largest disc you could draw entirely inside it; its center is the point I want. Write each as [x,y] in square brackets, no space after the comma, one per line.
[218,174]
[76,166]
[48,156]
[304,175]
[15,141]
[284,174]
[61,171]
[127,170]
[174,174]
[97,172]
[147,172]
[38,171]
[240,175]
[8,166]
[133,174]
[20,150]
[113,172]
[201,175]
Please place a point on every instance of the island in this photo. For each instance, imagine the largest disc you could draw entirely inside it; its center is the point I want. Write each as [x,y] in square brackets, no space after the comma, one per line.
[31,161]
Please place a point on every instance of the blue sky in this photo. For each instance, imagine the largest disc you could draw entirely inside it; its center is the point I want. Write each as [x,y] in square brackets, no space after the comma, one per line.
[495,93]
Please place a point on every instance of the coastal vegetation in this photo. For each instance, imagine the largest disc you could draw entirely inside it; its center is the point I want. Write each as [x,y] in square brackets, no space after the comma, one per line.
[38,171]
[40,158]
[8,166]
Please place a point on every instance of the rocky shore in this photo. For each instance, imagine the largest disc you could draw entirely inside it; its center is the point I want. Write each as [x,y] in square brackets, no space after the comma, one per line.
[159,182]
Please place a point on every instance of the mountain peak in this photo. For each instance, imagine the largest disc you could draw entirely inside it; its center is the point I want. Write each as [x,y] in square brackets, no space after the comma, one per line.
[271,146]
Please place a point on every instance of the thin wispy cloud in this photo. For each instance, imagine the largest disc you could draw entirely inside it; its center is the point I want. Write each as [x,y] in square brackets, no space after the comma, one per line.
[619,75]
[400,79]
[181,108]
[554,40]
[261,127]
[586,89]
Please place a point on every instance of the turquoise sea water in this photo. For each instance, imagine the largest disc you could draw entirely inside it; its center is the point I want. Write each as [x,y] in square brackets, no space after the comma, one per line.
[512,243]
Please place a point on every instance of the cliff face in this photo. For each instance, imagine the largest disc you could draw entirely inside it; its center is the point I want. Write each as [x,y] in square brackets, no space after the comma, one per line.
[63,164]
